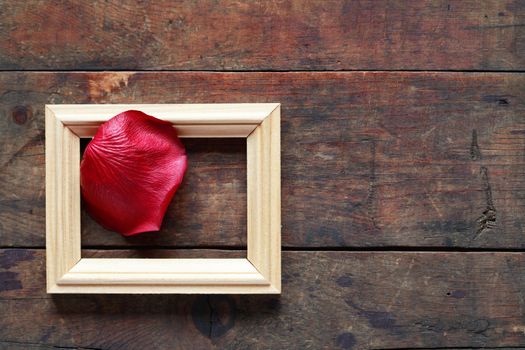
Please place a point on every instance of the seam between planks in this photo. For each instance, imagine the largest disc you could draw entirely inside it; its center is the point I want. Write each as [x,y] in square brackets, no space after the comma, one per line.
[302,249]
[258,71]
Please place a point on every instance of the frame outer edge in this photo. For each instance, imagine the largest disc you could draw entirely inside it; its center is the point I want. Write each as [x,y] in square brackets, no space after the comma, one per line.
[275,199]
[50,155]
[60,153]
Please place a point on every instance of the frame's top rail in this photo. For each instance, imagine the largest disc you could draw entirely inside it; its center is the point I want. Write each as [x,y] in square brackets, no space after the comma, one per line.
[207,113]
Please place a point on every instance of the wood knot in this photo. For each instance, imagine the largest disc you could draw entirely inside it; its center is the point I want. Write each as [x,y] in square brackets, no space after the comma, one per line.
[21,114]
[213,315]
[346,340]
[345,281]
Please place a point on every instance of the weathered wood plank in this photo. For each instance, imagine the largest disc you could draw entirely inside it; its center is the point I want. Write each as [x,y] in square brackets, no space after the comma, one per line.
[368,159]
[263,35]
[358,300]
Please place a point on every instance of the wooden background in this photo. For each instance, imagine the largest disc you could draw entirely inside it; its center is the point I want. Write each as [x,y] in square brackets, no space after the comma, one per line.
[403,169]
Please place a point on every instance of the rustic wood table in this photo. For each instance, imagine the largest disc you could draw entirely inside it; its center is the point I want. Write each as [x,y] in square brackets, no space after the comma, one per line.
[403,169]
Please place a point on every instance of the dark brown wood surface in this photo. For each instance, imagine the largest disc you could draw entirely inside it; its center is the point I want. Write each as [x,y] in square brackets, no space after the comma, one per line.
[403,169]
[330,300]
[263,35]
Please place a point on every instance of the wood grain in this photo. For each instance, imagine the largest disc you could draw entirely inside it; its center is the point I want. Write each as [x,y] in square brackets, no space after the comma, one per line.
[62,198]
[191,120]
[335,300]
[263,35]
[264,198]
[368,159]
[163,276]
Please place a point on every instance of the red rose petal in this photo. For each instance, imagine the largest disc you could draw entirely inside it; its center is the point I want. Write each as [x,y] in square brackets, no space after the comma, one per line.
[130,171]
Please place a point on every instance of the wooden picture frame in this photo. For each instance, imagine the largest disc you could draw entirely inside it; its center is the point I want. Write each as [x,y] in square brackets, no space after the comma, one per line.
[259,273]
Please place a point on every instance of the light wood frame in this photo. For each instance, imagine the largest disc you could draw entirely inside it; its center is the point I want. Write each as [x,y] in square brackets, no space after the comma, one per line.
[260,273]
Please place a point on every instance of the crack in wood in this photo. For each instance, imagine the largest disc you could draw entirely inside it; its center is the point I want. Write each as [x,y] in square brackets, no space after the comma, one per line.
[487,221]
[40,345]
[475,153]
[372,191]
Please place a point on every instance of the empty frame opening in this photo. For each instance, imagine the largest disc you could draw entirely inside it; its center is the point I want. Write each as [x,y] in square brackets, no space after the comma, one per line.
[206,218]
